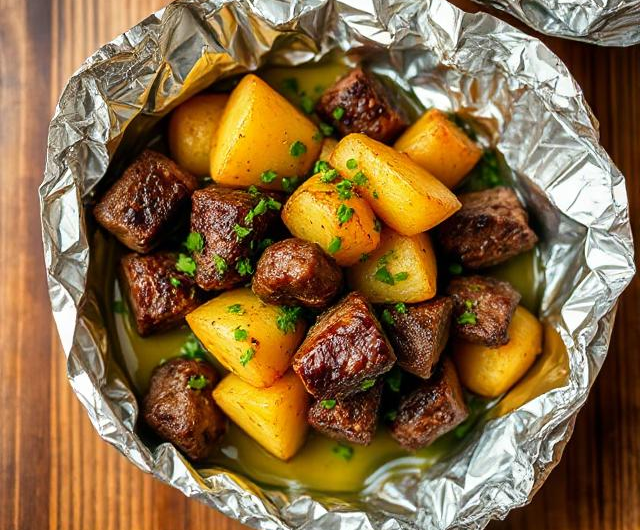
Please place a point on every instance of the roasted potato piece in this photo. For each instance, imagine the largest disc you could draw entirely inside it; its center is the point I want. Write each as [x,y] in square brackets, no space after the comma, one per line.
[419,333]
[433,409]
[159,295]
[492,370]
[275,417]
[437,144]
[142,206]
[179,406]
[405,196]
[297,272]
[250,338]
[345,351]
[328,145]
[353,419]
[261,132]
[491,227]
[401,269]
[192,131]
[314,211]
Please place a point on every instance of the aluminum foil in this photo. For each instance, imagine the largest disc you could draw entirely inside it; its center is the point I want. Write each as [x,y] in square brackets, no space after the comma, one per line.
[603,22]
[509,84]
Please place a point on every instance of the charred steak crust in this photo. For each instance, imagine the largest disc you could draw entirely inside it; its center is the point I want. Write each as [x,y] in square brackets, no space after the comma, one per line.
[345,348]
[156,303]
[491,227]
[297,272]
[214,215]
[366,107]
[352,419]
[431,410]
[419,334]
[184,416]
[142,204]
[491,301]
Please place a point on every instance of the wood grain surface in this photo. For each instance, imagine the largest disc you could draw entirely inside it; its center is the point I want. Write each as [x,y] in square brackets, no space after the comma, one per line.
[56,473]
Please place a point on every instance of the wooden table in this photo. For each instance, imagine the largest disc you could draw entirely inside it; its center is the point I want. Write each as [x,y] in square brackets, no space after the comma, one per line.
[55,471]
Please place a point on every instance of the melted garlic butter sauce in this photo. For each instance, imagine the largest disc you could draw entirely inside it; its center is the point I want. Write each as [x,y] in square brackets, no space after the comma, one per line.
[316,466]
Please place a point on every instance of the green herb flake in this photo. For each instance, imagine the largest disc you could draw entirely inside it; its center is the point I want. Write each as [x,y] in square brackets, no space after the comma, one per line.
[328,176]
[186,264]
[290,84]
[119,307]
[326,129]
[391,415]
[455,268]
[343,451]
[197,382]
[306,103]
[321,166]
[247,356]
[192,349]
[194,242]
[317,136]
[385,258]
[338,113]
[220,264]
[344,213]
[252,190]
[335,245]
[360,179]
[367,384]
[375,195]
[268,176]
[393,379]
[328,403]
[401,308]
[235,308]
[244,267]
[174,281]
[288,318]
[264,244]
[241,231]
[289,184]
[383,275]
[364,257]
[401,276]
[344,189]
[297,148]
[468,317]
[377,226]
[240,334]
[387,317]
[352,163]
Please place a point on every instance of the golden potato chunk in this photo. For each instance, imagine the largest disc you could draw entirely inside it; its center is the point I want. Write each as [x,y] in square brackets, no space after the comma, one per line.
[491,371]
[345,228]
[405,196]
[250,338]
[276,417]
[262,138]
[402,269]
[438,145]
[192,131]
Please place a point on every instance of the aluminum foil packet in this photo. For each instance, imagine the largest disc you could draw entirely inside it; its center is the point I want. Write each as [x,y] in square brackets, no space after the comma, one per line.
[603,22]
[532,112]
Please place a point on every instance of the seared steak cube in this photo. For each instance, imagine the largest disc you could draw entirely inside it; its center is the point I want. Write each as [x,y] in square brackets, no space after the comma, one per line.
[297,272]
[146,201]
[419,333]
[482,309]
[359,103]
[232,224]
[159,296]
[352,419]
[491,227]
[431,410]
[179,406]
[344,351]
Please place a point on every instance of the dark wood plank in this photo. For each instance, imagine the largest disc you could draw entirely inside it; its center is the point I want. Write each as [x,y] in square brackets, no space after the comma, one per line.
[55,472]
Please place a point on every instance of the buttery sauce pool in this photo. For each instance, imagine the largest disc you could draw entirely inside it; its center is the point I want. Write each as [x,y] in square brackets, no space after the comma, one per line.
[320,465]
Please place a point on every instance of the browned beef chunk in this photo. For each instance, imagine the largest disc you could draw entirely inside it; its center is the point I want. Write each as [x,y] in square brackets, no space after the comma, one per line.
[431,410]
[482,309]
[232,224]
[179,406]
[352,419]
[491,227]
[358,102]
[160,296]
[344,351]
[146,201]
[297,272]
[419,333]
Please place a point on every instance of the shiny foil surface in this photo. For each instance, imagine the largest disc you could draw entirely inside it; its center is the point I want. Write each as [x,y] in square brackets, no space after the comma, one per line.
[511,86]
[602,22]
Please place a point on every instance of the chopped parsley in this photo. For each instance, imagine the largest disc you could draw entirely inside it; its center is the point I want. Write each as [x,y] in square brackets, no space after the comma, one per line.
[186,264]
[194,242]
[401,276]
[197,382]
[387,317]
[391,415]
[384,259]
[306,103]
[343,451]
[290,84]
[241,231]
[335,245]
[367,384]
[265,203]
[268,176]
[174,281]
[321,166]
[288,318]
[383,275]
[297,148]
[344,189]
[468,317]
[455,268]
[352,163]
[394,379]
[375,195]
[317,136]
[253,190]
[289,184]
[244,266]
[265,243]
[344,213]
[360,179]
[328,403]
[220,264]
[192,349]
[240,334]
[364,257]
[328,176]
[247,356]
[377,226]
[338,113]
[326,129]
[401,308]
[119,307]
[235,308]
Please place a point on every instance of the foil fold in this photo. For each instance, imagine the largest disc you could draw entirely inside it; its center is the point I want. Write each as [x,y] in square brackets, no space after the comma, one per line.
[518,93]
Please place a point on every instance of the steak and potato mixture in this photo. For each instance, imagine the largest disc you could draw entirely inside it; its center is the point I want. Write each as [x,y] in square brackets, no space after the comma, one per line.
[326,262]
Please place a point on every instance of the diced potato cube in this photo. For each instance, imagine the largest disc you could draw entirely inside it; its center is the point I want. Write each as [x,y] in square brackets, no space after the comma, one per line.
[312,213]
[276,417]
[402,269]
[441,147]
[262,132]
[405,196]
[243,333]
[491,371]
